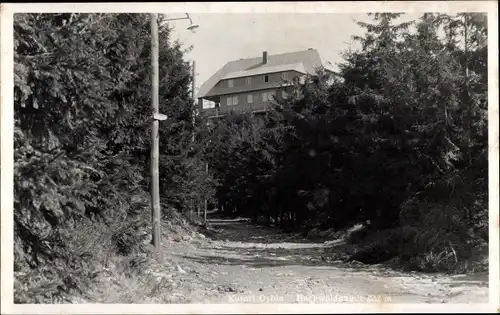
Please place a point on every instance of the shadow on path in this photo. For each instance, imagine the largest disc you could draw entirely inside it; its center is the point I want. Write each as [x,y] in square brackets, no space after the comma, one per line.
[243,243]
[241,230]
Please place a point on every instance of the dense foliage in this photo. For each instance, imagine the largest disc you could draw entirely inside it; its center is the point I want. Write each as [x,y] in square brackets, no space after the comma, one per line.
[82,101]
[398,138]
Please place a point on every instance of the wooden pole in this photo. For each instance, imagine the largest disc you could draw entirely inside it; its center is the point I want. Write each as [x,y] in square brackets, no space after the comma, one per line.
[155,182]
[193,120]
[205,212]
[206,202]
[467,96]
[193,89]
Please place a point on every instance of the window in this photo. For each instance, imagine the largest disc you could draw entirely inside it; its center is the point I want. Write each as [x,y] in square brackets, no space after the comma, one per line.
[208,104]
[284,94]
[268,96]
[264,97]
[249,98]
[266,78]
[284,76]
[232,100]
[248,81]
[230,83]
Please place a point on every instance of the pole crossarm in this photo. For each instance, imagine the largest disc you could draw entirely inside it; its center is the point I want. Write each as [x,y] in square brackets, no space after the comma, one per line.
[192,26]
[183,18]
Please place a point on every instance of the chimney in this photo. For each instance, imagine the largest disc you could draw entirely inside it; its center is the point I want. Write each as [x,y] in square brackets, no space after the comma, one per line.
[264,57]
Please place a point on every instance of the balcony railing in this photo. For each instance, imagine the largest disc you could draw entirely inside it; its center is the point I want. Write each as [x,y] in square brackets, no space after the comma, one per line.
[221,112]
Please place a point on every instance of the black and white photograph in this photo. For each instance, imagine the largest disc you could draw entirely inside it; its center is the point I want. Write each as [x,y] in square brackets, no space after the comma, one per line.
[231,153]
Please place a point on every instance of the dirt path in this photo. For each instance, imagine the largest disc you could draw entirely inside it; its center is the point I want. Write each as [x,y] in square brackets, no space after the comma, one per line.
[255,264]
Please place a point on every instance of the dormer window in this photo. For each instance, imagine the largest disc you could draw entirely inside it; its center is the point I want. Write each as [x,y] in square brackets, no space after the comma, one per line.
[230,83]
[266,78]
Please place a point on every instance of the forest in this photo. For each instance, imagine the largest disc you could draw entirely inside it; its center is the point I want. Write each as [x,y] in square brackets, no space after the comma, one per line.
[396,140]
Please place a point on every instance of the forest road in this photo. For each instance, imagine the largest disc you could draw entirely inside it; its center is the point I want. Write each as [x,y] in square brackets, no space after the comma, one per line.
[258,264]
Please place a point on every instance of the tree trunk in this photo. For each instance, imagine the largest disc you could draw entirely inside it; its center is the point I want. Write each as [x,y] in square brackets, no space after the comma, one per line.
[205,211]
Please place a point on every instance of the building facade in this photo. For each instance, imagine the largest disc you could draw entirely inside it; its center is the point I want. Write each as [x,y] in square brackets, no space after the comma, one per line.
[251,85]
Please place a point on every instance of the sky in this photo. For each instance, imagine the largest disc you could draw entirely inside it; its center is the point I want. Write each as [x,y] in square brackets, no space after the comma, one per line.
[223,37]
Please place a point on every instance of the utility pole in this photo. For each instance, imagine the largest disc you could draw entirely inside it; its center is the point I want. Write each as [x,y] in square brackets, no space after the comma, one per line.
[155,182]
[206,202]
[193,120]
[193,89]
[467,95]
[155,80]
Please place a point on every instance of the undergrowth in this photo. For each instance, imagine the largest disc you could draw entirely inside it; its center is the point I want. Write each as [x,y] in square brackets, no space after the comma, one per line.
[100,263]
[432,236]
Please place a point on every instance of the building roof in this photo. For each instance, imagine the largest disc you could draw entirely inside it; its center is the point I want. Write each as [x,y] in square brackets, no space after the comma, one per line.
[299,67]
[305,61]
